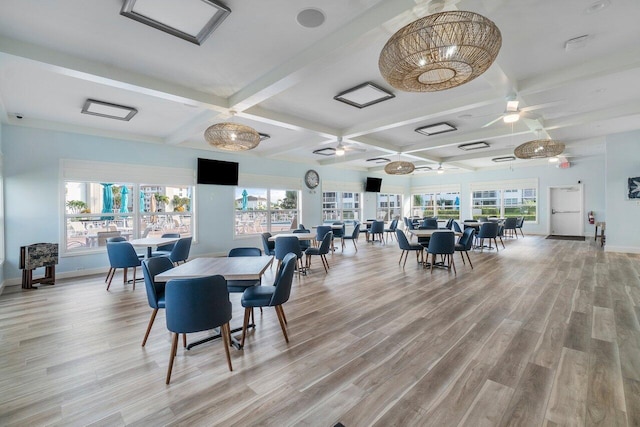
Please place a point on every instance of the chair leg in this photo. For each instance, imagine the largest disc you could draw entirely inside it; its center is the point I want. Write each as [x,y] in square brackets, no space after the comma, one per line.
[452,263]
[153,318]
[245,324]
[113,272]
[282,325]
[134,278]
[406,254]
[501,241]
[325,263]
[124,277]
[108,274]
[184,340]
[174,349]
[462,256]
[355,245]
[225,331]
[468,259]
[283,316]
[433,261]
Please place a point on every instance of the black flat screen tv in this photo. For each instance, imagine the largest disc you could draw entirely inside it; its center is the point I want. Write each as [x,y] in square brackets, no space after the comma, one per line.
[217,172]
[373,185]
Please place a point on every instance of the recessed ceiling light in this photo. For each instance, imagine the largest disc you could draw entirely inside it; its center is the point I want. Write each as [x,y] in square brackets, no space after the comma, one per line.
[503,159]
[436,129]
[108,110]
[329,151]
[597,6]
[364,95]
[190,20]
[473,146]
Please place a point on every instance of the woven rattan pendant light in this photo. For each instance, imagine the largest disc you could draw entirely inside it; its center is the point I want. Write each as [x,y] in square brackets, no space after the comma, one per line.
[539,149]
[399,168]
[440,51]
[230,136]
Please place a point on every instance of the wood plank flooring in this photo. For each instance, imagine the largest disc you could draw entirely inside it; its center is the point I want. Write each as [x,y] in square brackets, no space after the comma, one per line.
[542,333]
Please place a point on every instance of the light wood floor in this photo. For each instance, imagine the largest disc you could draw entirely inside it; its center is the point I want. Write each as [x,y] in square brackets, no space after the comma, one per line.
[545,332]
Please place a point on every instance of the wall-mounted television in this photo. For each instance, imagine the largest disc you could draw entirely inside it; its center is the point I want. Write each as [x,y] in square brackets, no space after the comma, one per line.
[217,172]
[373,185]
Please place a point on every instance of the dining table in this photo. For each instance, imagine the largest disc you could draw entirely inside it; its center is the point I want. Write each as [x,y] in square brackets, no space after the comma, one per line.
[300,236]
[152,242]
[231,268]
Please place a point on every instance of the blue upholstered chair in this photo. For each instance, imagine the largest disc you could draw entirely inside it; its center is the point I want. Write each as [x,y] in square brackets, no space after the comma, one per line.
[180,252]
[271,296]
[238,286]
[304,244]
[520,224]
[377,228]
[442,243]
[509,227]
[116,239]
[321,231]
[194,305]
[449,225]
[407,247]
[268,247]
[339,233]
[165,250]
[392,228]
[286,245]
[456,227]
[121,255]
[464,244]
[155,290]
[488,230]
[354,235]
[429,224]
[321,251]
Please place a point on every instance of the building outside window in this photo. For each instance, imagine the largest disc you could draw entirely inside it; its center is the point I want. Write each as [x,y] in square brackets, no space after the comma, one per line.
[505,199]
[343,206]
[442,204]
[258,210]
[389,206]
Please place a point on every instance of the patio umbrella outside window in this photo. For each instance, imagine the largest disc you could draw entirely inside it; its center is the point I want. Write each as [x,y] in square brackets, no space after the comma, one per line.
[244,199]
[107,201]
[124,199]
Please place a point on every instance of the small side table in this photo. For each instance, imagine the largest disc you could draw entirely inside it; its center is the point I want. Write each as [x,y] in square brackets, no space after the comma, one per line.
[602,226]
[35,256]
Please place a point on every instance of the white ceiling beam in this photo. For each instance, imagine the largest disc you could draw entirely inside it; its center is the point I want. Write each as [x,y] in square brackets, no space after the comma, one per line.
[622,110]
[262,115]
[187,130]
[108,75]
[478,154]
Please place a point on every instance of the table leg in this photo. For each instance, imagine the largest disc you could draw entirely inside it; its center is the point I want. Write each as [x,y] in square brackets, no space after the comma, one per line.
[234,341]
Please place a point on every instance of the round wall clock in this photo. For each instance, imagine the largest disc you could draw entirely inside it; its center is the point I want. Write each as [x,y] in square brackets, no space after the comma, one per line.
[311,179]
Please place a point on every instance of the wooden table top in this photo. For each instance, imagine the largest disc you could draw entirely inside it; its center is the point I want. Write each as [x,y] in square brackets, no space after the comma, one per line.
[153,241]
[300,236]
[429,232]
[231,268]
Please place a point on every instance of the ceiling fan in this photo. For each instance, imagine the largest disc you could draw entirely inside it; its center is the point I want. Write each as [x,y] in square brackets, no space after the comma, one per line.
[341,149]
[512,113]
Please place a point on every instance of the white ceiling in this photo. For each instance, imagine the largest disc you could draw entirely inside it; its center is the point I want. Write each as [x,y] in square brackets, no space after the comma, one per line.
[282,77]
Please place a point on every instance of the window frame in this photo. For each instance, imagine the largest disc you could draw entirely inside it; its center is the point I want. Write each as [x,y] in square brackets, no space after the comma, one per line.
[268,212]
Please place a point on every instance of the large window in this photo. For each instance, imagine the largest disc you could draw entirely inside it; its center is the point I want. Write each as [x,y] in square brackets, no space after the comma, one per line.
[505,199]
[262,209]
[102,200]
[389,206]
[341,206]
[441,204]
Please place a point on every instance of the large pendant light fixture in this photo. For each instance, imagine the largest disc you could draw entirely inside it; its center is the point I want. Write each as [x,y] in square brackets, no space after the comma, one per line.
[230,136]
[539,149]
[440,51]
[399,167]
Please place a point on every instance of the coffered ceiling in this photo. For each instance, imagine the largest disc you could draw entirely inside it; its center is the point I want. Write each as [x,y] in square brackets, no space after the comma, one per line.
[281,78]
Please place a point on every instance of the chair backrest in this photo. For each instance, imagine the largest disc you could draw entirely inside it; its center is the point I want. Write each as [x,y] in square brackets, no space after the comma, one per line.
[340,232]
[286,245]
[180,251]
[197,304]
[301,227]
[122,255]
[326,243]
[151,267]
[410,225]
[449,224]
[429,224]
[377,227]
[466,240]
[520,222]
[268,246]
[168,246]
[394,225]
[456,227]
[488,230]
[283,280]
[321,231]
[511,223]
[403,243]
[304,244]
[116,239]
[356,231]
[483,219]
[443,242]
[245,252]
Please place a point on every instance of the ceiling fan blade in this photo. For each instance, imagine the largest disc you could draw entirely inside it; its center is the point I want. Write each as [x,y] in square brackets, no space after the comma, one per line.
[492,121]
[545,105]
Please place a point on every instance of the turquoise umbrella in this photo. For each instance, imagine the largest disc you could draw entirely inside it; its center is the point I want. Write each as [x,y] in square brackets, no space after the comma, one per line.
[124,199]
[141,201]
[107,200]
[244,199]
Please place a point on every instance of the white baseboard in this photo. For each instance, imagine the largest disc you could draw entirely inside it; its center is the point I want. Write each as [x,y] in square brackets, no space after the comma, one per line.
[622,249]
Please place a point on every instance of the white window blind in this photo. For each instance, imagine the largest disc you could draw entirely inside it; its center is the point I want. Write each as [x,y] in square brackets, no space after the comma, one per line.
[82,170]
[429,189]
[391,189]
[504,185]
[269,181]
[337,186]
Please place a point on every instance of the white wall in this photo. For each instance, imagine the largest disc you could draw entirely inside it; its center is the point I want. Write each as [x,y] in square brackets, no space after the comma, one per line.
[623,214]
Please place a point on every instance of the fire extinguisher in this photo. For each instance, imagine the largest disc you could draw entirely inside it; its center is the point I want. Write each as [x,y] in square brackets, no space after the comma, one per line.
[592,219]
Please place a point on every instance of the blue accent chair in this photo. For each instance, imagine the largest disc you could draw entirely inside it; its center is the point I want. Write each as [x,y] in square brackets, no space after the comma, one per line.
[116,239]
[406,247]
[286,245]
[488,230]
[464,244]
[304,244]
[442,243]
[520,224]
[321,231]
[392,228]
[238,286]
[194,305]
[271,296]
[155,290]
[339,233]
[354,235]
[377,228]
[269,247]
[456,227]
[510,225]
[180,252]
[429,224]
[165,250]
[321,251]
[121,255]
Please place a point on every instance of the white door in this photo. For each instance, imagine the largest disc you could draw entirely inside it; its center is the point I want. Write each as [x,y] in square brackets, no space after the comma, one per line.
[566,215]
